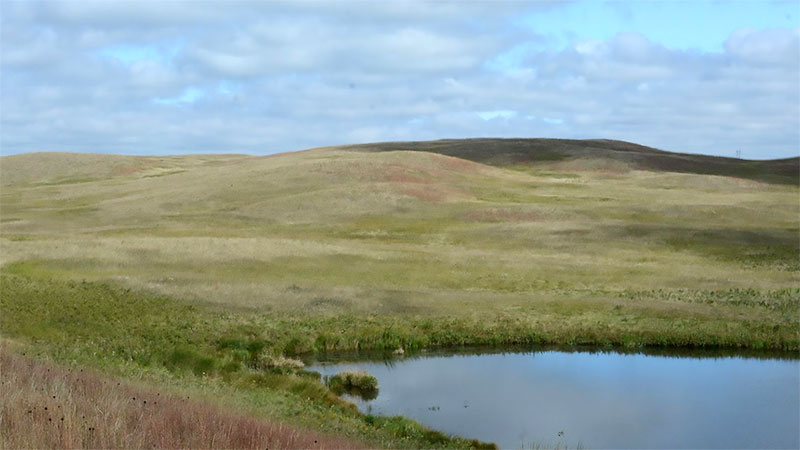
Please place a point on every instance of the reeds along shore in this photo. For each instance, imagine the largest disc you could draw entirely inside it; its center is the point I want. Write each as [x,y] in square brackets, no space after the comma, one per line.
[45,406]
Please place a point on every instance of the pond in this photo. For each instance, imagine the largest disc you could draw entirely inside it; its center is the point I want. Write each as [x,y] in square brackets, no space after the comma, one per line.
[592,399]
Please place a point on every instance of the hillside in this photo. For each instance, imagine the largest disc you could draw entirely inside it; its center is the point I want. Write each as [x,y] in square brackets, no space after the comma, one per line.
[70,168]
[589,154]
[97,412]
[510,152]
[215,272]
[404,221]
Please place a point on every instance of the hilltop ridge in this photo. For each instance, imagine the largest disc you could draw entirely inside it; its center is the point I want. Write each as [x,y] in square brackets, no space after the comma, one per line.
[562,154]
[512,151]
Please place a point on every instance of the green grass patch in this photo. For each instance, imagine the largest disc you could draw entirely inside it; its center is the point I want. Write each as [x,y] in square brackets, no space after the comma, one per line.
[361,384]
[121,330]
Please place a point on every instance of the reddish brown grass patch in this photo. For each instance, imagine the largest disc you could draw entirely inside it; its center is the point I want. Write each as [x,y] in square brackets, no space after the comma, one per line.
[460,165]
[425,194]
[406,178]
[133,167]
[45,406]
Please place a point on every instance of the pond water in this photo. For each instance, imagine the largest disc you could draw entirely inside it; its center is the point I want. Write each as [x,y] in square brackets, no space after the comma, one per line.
[593,399]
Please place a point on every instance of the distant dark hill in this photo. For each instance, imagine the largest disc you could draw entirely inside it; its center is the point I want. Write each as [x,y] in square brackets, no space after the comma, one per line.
[507,152]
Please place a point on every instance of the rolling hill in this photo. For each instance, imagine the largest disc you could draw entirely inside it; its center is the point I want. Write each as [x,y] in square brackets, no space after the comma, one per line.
[467,218]
[510,152]
[210,271]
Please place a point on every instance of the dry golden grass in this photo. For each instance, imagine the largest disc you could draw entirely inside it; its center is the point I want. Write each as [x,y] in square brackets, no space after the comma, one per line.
[66,168]
[45,406]
[398,231]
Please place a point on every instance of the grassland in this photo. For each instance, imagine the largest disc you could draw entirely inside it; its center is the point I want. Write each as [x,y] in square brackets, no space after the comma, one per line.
[46,406]
[211,272]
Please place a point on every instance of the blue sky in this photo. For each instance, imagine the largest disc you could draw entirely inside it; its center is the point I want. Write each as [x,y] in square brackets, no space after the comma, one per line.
[175,77]
[701,26]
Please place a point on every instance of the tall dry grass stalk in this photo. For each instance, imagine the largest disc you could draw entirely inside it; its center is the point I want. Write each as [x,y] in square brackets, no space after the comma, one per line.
[45,406]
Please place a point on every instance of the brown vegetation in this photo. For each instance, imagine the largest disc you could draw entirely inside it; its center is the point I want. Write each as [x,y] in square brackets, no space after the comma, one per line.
[45,406]
[509,152]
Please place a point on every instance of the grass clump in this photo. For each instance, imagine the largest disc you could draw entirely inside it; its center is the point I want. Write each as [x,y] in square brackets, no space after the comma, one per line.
[279,363]
[360,380]
[362,384]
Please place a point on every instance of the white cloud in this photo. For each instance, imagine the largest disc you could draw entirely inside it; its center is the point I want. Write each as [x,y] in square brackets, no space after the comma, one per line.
[774,47]
[499,113]
[267,77]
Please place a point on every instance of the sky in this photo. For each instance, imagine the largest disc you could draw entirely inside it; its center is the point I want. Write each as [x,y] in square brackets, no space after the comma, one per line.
[258,77]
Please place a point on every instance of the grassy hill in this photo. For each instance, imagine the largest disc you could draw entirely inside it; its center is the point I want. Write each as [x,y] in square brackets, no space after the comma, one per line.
[395,231]
[589,152]
[72,168]
[204,269]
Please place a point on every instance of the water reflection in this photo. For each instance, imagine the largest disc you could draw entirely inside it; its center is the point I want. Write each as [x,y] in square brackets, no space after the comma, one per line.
[601,399]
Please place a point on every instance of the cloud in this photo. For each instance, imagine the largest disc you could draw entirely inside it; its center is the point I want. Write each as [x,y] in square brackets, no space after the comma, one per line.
[500,113]
[269,77]
[773,46]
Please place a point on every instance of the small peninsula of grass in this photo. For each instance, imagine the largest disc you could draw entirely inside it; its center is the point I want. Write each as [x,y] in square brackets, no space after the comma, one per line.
[360,383]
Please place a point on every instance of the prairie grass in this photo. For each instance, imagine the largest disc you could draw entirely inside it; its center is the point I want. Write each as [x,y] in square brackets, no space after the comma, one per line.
[132,266]
[46,406]
[246,355]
